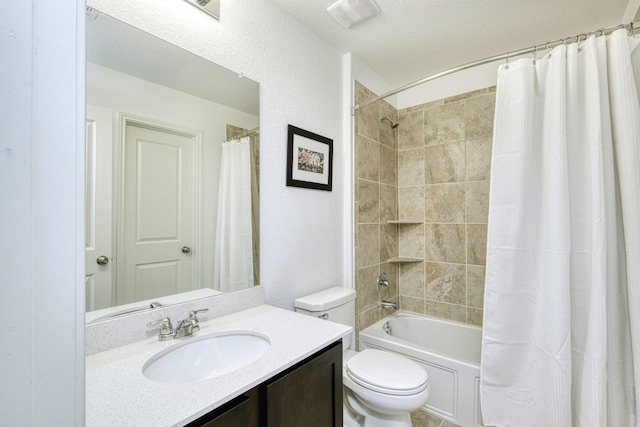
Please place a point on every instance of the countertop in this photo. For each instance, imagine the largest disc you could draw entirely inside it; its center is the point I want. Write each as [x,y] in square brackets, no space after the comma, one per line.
[118,394]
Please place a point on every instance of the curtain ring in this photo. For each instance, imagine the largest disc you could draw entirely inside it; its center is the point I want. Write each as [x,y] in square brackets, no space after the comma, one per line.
[535,54]
[546,45]
[506,66]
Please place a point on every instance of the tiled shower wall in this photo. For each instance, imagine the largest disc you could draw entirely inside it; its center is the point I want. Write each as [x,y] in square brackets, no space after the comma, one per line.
[376,202]
[433,170]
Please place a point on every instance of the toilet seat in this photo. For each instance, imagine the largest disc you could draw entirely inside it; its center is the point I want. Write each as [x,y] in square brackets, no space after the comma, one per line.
[387,373]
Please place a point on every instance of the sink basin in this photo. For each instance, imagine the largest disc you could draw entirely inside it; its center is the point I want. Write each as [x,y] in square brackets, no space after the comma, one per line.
[206,357]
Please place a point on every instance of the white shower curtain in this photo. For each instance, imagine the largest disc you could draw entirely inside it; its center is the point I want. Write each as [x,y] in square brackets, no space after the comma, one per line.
[561,333]
[233,262]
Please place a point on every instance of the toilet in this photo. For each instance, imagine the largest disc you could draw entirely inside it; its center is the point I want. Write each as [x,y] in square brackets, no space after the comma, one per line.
[380,388]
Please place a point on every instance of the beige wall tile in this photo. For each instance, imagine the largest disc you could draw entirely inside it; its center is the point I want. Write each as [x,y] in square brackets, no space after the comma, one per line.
[466,95]
[444,202]
[475,285]
[362,93]
[368,201]
[415,305]
[445,243]
[412,280]
[478,159]
[474,316]
[388,202]
[477,202]
[410,131]
[368,252]
[444,124]
[421,106]
[411,167]
[367,291]
[444,163]
[446,282]
[446,311]
[476,244]
[368,318]
[368,122]
[479,116]
[439,175]
[388,241]
[411,240]
[367,158]
[388,165]
[411,203]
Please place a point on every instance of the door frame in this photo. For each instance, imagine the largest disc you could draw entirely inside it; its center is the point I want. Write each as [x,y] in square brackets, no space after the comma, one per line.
[124,120]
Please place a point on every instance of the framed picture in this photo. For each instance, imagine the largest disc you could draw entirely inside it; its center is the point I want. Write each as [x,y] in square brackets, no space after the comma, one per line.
[309,160]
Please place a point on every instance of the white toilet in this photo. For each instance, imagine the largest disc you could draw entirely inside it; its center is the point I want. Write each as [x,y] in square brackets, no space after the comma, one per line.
[380,388]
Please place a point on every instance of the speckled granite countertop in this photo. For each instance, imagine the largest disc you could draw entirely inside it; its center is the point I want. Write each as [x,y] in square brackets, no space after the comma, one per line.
[118,394]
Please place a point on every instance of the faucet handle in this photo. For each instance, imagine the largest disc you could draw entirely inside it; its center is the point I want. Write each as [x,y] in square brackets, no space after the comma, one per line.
[195,323]
[195,312]
[166,330]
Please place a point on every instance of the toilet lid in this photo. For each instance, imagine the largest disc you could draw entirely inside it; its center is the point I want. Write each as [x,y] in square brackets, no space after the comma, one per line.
[386,372]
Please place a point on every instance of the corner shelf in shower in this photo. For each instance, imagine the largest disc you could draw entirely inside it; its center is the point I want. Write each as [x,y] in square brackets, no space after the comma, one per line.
[404,260]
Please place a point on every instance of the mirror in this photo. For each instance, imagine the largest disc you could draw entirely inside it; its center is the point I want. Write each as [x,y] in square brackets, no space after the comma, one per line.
[157,116]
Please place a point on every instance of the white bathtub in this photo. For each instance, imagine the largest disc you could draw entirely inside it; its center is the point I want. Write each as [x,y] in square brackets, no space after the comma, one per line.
[448,350]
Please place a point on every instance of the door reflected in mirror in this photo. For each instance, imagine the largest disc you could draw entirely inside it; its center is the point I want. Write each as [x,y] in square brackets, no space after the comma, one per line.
[157,119]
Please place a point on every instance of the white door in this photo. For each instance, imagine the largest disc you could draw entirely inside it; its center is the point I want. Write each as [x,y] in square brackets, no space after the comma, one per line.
[98,209]
[157,214]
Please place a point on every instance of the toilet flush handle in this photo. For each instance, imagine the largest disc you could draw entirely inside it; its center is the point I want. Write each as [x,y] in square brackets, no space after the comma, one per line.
[324,316]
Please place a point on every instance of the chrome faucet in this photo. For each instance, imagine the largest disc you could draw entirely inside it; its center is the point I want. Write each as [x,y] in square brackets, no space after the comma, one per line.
[383,283]
[389,304]
[188,326]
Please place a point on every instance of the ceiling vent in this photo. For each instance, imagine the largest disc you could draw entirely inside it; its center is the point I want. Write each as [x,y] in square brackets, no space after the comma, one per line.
[351,12]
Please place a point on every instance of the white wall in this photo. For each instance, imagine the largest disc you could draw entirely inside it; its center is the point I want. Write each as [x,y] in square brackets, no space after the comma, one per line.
[111,89]
[41,214]
[300,78]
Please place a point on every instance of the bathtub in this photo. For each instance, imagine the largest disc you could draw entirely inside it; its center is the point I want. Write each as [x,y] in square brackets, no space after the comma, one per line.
[448,350]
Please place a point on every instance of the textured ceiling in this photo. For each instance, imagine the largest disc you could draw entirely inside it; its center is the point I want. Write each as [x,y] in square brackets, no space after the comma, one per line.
[412,39]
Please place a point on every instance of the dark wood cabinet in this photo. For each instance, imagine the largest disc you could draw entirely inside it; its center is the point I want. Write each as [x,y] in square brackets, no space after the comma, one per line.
[308,393]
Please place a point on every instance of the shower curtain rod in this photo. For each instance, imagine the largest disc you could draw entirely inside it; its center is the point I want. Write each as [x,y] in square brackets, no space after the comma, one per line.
[632,26]
[243,134]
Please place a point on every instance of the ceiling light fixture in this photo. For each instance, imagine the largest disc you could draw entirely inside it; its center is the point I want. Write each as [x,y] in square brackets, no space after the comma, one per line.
[351,12]
[207,6]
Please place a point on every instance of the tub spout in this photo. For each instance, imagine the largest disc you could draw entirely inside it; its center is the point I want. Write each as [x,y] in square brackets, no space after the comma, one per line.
[389,304]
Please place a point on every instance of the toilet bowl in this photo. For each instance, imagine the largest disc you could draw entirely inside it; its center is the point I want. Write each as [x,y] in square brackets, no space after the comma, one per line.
[380,388]
[384,387]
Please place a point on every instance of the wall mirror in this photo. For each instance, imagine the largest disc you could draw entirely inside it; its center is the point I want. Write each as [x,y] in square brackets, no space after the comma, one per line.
[157,117]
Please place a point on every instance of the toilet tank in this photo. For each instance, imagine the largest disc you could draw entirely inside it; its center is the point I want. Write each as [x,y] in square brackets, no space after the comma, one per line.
[336,304]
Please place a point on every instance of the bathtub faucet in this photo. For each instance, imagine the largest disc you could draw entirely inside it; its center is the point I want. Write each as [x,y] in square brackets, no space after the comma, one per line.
[389,304]
[383,283]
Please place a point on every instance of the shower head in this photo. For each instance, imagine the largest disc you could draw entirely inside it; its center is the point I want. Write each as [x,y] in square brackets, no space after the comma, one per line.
[393,123]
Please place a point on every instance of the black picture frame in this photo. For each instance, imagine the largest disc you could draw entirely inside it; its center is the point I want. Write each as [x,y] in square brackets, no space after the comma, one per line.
[309,160]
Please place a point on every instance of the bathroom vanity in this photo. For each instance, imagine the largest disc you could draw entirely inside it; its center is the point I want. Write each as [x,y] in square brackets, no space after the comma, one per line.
[297,379]
[310,391]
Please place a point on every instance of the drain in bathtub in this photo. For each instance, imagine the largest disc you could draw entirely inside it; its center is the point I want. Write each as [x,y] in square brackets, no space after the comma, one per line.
[387,328]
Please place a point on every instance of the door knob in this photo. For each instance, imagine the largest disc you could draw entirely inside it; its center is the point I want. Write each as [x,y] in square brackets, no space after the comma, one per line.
[186,250]
[102,260]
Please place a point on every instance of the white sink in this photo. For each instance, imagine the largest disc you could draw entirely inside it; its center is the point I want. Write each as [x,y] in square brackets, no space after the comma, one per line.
[206,357]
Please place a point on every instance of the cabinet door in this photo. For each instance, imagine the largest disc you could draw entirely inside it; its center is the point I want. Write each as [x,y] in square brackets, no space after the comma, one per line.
[310,394]
[243,411]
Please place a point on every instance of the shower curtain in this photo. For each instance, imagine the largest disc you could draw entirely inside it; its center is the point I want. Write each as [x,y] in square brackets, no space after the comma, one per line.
[561,330]
[233,262]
